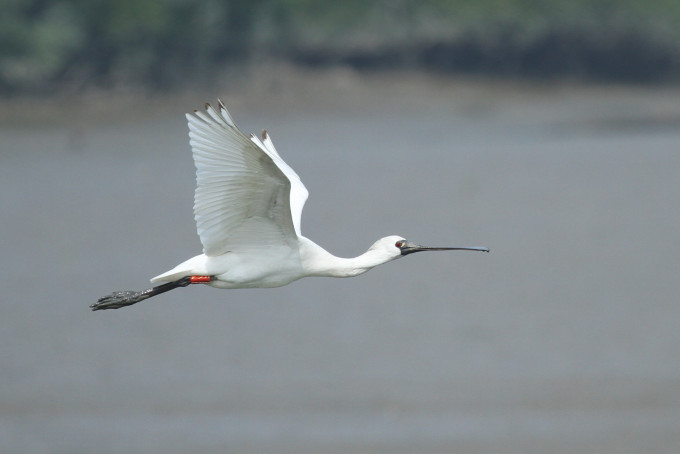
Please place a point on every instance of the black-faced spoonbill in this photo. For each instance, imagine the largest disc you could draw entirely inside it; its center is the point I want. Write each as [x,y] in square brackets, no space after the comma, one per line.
[247,206]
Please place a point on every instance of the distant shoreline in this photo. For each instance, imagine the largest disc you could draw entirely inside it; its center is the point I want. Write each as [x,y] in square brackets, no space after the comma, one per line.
[284,87]
[165,47]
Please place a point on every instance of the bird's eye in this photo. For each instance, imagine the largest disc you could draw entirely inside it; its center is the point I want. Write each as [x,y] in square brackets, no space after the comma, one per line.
[400,244]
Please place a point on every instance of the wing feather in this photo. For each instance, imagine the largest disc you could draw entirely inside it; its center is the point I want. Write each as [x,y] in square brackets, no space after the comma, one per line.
[246,195]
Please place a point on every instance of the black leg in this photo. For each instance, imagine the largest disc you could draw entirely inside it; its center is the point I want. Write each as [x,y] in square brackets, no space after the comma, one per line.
[116,300]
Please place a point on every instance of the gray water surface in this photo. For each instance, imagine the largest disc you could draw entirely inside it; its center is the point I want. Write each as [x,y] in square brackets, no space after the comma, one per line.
[563,339]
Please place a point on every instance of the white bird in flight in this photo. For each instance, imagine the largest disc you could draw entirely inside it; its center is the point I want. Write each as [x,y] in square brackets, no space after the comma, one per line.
[247,206]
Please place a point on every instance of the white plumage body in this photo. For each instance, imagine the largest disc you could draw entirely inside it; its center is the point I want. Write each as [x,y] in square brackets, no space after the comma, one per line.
[247,206]
[278,265]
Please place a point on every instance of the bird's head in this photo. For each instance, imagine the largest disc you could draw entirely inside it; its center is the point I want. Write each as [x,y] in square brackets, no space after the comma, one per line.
[395,246]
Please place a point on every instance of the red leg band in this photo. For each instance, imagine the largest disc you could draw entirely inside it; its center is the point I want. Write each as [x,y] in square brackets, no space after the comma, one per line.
[200,279]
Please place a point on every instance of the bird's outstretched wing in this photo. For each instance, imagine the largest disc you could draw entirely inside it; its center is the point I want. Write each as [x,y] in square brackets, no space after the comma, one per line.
[246,195]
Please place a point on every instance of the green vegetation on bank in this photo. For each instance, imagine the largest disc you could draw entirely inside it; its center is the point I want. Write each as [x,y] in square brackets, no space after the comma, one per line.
[51,44]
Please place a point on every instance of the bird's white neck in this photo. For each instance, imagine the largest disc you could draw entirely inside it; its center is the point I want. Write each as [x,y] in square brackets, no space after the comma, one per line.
[319,262]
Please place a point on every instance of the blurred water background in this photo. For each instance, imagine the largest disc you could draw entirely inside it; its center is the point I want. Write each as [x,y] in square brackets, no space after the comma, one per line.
[563,339]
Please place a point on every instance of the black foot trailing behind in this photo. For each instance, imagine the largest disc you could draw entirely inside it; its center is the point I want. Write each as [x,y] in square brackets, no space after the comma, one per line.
[116,300]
